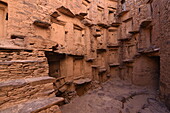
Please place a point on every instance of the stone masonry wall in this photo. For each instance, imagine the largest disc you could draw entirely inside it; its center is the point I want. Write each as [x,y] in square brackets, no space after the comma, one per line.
[71,44]
[144,37]
[19,64]
[164,18]
[55,47]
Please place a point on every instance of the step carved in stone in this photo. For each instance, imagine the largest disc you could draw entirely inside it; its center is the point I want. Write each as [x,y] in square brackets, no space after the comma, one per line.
[29,81]
[33,106]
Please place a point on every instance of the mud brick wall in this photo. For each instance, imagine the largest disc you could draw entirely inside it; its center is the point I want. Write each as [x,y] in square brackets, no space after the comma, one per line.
[86,40]
[164,37]
[149,35]
[21,90]
[24,13]
[22,64]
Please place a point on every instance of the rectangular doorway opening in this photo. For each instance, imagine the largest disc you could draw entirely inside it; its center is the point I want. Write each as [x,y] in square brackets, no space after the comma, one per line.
[54,62]
[157,71]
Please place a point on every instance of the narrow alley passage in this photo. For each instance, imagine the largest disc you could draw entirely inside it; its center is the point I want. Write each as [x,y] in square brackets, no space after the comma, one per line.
[116,96]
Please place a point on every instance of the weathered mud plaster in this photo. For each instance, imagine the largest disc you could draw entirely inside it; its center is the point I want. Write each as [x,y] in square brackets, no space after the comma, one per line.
[62,47]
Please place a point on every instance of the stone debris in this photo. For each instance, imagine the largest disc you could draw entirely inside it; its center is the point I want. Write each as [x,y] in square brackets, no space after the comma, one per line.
[116,96]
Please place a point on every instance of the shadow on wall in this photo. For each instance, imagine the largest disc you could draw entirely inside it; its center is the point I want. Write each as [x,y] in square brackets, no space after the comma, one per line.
[146,71]
[54,60]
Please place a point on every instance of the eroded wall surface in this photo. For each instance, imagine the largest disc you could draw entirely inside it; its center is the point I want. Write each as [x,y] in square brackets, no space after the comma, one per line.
[60,47]
[52,48]
[144,36]
[164,40]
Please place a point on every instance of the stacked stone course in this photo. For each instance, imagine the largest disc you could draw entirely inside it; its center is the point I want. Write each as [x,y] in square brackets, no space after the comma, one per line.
[50,48]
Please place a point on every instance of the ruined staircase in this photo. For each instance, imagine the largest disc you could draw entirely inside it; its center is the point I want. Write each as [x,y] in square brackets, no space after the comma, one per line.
[31,95]
[36,106]
[25,86]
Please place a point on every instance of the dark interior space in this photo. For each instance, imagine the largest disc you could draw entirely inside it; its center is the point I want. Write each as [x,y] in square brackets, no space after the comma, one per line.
[54,63]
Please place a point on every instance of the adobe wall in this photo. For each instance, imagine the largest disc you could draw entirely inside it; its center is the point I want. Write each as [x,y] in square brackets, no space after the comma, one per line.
[144,37]
[164,43]
[60,44]
[81,41]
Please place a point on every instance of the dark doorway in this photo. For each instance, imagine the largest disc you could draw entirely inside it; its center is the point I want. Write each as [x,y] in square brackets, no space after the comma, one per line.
[54,60]
[156,59]
[146,71]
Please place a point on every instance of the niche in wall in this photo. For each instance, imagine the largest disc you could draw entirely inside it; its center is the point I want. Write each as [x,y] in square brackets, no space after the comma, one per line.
[58,33]
[112,37]
[113,56]
[3,18]
[145,40]
[100,13]
[78,67]
[146,71]
[129,51]
[111,15]
[78,33]
[54,62]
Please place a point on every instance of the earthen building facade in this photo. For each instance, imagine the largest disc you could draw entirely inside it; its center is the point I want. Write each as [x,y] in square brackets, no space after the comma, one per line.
[53,47]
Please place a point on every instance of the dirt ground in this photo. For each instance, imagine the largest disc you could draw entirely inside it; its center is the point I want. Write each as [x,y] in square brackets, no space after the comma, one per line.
[116,96]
